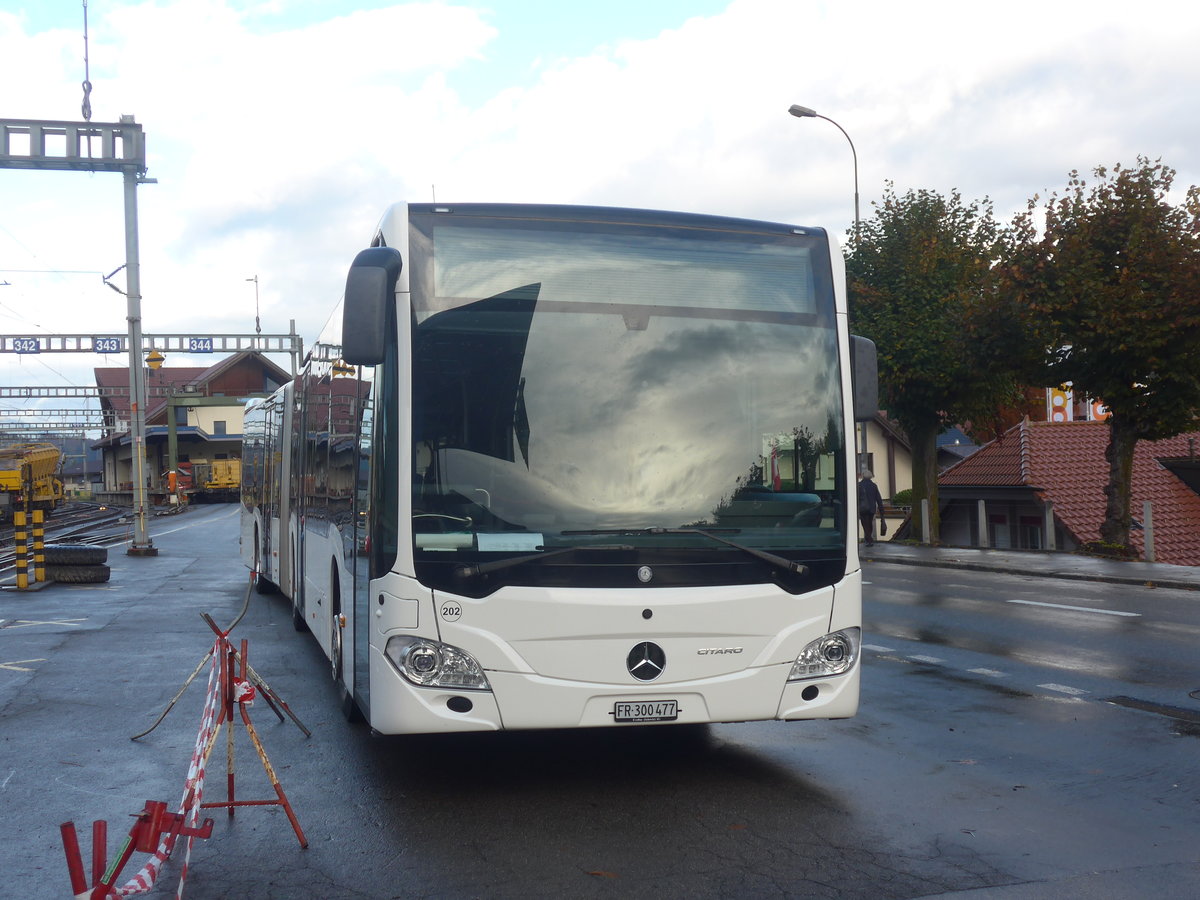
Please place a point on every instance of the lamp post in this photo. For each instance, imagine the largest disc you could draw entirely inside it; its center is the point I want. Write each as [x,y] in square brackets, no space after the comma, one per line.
[803,112]
[257,323]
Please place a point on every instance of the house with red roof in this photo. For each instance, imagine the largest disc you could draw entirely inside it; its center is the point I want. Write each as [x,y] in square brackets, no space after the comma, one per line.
[1041,486]
[204,432]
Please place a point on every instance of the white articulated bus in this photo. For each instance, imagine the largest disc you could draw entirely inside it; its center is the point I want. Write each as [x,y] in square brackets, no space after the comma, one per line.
[557,467]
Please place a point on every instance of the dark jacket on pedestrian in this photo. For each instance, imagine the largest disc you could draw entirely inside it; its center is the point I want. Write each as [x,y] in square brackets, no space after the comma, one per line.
[870,501]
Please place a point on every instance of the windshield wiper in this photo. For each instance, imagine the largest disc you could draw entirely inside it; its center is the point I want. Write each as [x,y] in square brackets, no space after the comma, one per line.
[470,571]
[788,565]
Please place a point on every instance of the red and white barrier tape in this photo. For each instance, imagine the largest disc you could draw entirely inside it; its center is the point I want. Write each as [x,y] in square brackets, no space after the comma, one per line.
[144,880]
[244,692]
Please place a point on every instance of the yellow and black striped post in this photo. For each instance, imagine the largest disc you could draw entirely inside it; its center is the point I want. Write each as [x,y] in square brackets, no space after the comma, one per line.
[21,548]
[39,549]
[22,518]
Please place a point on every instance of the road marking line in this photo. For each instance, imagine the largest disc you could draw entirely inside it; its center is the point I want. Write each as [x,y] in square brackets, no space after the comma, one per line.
[1089,609]
[15,665]
[990,673]
[121,542]
[927,659]
[878,649]
[1063,689]
[25,623]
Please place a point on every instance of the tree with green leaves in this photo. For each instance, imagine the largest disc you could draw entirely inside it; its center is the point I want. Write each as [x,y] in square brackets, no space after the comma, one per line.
[920,282]
[1107,278]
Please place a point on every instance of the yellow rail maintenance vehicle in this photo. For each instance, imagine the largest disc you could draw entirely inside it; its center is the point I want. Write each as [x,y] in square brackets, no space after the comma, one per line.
[216,481]
[29,474]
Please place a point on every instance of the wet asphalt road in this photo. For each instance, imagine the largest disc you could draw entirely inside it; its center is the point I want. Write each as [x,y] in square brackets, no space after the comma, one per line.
[987,760]
[1086,639]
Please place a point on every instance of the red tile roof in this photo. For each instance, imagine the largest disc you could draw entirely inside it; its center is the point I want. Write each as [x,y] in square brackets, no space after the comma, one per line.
[1064,462]
[116,377]
[178,377]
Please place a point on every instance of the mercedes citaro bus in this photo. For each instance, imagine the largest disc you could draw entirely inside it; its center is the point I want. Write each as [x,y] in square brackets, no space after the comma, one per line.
[566,466]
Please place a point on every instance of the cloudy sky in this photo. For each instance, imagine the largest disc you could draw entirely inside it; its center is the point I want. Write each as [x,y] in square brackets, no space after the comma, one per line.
[278,130]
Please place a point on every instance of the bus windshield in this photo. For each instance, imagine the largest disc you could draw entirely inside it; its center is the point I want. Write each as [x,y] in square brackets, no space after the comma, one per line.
[622,387]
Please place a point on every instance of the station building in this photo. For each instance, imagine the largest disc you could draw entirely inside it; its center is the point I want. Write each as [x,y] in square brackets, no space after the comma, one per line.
[188,402]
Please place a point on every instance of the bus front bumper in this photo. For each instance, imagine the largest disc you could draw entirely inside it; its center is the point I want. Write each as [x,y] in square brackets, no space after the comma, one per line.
[521,701]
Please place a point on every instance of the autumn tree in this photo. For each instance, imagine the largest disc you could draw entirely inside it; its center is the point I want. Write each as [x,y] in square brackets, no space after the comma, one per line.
[920,282]
[1107,277]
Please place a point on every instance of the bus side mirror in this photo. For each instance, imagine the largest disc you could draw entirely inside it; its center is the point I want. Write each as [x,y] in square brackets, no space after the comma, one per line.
[864,375]
[370,291]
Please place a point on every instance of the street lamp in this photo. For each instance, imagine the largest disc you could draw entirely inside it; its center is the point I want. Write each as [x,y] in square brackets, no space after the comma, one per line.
[257,322]
[803,112]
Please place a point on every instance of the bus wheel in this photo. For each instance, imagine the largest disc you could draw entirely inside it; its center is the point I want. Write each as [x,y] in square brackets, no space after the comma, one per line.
[336,657]
[335,646]
[336,623]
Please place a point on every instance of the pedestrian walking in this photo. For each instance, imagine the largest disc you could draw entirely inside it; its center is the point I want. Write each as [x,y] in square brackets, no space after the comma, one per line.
[869,502]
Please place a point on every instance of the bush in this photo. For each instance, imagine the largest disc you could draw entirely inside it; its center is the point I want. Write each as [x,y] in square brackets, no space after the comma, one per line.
[903,498]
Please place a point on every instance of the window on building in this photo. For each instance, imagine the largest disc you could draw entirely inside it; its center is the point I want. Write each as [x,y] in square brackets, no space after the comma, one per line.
[1030,532]
[999,535]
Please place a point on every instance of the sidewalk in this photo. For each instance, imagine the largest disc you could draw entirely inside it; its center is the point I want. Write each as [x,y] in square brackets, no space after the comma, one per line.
[1044,563]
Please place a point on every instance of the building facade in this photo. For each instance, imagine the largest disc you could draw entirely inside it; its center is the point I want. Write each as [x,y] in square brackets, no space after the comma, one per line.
[202,407]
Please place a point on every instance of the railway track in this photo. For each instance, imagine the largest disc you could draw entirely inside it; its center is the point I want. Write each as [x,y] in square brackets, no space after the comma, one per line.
[75,523]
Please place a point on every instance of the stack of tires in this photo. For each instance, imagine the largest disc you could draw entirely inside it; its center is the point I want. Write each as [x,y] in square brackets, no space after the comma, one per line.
[76,563]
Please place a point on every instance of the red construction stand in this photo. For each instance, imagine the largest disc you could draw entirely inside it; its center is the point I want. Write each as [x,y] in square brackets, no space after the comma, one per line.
[156,830]
[237,692]
[152,825]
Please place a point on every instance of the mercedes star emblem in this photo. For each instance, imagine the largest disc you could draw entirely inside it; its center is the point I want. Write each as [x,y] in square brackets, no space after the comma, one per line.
[646,661]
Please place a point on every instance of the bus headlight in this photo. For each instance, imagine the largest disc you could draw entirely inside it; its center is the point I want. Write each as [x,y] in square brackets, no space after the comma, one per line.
[433,664]
[832,654]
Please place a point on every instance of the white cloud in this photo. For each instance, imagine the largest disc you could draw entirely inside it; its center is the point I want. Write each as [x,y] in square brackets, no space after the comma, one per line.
[277,149]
